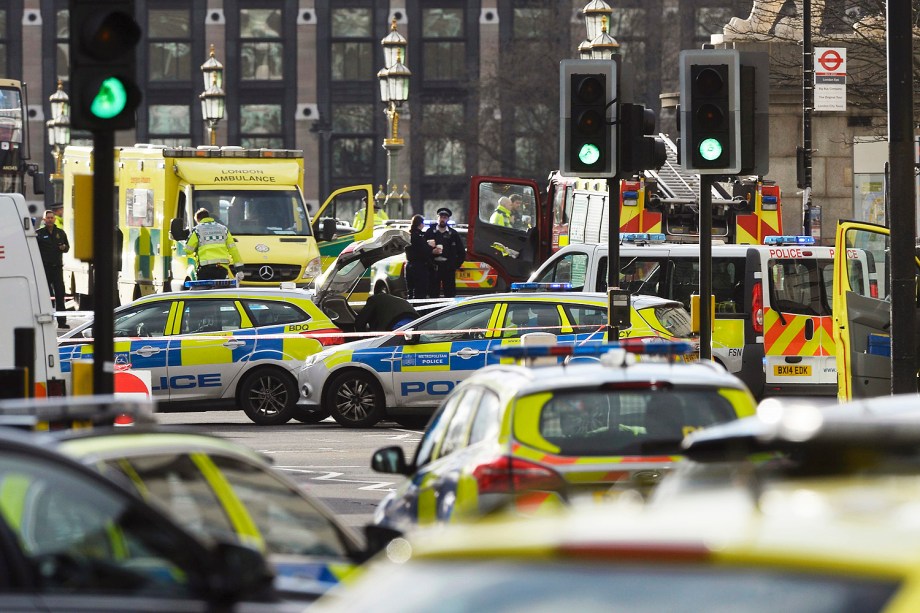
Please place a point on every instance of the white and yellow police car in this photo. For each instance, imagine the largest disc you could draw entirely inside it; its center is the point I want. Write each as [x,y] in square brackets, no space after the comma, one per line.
[405,374]
[216,349]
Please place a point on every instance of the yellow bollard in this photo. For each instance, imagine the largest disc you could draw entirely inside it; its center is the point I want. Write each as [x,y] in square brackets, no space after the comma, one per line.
[81,382]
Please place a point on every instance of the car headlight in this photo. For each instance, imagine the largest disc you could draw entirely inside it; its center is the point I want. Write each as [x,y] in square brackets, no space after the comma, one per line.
[313,268]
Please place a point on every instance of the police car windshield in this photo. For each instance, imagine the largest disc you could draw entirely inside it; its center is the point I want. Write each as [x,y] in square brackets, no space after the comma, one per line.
[257,212]
[626,421]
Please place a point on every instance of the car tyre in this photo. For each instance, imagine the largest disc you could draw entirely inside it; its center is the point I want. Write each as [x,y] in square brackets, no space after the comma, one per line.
[268,396]
[310,416]
[355,399]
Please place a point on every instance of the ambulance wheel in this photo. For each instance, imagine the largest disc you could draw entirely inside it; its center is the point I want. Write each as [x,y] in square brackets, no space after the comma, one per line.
[268,396]
[355,399]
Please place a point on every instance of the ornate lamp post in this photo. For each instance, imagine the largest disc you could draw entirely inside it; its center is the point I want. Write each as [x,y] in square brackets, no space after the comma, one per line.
[394,90]
[58,135]
[213,97]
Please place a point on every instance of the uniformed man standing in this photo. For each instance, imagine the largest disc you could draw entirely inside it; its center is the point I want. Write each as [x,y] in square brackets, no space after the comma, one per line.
[451,256]
[214,247]
[52,245]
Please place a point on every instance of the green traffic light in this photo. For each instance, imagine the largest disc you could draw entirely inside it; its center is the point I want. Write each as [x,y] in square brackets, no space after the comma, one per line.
[111,99]
[589,154]
[710,149]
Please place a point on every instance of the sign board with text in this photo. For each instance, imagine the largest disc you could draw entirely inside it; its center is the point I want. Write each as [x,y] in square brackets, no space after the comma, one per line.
[830,79]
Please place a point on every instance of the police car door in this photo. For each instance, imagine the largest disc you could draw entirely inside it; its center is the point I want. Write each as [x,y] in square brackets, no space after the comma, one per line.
[861,311]
[443,350]
[146,327]
[205,356]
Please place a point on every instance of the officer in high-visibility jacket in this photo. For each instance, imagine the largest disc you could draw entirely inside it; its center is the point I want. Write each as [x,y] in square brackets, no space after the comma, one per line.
[214,247]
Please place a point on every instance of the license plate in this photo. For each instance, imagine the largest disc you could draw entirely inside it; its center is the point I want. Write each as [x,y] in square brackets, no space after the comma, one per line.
[792,370]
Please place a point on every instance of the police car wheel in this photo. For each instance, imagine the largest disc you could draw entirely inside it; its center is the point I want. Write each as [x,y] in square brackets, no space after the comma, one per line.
[413,422]
[355,399]
[268,396]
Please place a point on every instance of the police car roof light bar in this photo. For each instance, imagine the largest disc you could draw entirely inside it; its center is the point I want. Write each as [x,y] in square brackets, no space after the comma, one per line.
[789,239]
[637,346]
[642,237]
[212,284]
[533,286]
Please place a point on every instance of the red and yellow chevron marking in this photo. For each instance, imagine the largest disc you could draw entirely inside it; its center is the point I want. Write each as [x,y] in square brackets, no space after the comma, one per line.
[790,339]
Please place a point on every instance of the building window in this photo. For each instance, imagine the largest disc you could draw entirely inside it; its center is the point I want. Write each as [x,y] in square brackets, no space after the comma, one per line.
[353,143]
[169,124]
[710,20]
[352,46]
[261,49]
[260,126]
[352,157]
[443,44]
[445,151]
[531,22]
[170,46]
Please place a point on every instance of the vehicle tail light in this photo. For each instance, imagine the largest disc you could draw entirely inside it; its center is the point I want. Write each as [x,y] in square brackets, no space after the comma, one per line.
[757,308]
[56,387]
[506,475]
[326,336]
[873,289]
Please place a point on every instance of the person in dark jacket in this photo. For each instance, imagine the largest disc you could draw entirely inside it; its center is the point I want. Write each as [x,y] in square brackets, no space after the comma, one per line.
[383,312]
[419,260]
[53,244]
[448,259]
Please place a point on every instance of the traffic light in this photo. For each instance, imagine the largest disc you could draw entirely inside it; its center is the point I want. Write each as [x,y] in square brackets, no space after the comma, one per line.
[640,149]
[710,100]
[587,114]
[103,88]
[755,113]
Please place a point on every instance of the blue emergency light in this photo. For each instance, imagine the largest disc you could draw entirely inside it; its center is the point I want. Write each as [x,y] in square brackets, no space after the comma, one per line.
[788,239]
[533,286]
[769,199]
[637,346]
[211,284]
[630,195]
[640,237]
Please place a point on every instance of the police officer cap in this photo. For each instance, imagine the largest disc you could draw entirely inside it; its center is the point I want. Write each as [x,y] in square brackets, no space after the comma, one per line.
[445,211]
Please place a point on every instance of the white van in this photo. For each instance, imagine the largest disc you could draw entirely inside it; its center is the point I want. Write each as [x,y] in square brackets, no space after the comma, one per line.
[25,299]
[773,315]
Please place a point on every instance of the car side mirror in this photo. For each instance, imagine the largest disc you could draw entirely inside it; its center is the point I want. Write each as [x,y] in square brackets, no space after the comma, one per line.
[177,230]
[241,574]
[390,460]
[377,538]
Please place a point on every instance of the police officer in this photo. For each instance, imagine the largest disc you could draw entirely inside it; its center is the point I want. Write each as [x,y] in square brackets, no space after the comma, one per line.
[419,260]
[214,246]
[52,245]
[448,259]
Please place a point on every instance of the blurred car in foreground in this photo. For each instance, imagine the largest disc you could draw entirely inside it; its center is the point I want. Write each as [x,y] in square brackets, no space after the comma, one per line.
[539,435]
[811,550]
[404,375]
[217,489]
[72,540]
[801,444]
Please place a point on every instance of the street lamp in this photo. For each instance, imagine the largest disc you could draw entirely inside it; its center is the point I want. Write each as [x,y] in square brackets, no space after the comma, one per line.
[58,135]
[213,97]
[394,90]
[604,46]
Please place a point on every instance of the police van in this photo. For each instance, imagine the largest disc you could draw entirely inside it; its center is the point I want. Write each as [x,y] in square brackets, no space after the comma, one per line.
[773,303]
[27,307]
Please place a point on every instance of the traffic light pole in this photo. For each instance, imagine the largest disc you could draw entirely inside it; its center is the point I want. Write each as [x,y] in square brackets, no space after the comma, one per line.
[613,247]
[104,262]
[706,266]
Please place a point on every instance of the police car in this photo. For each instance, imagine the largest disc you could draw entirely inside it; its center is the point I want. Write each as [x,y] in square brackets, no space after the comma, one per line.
[405,374]
[232,348]
[216,349]
[540,435]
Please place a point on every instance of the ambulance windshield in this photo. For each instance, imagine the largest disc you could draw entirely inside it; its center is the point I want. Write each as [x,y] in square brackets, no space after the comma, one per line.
[257,212]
